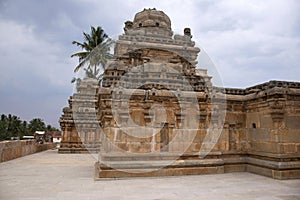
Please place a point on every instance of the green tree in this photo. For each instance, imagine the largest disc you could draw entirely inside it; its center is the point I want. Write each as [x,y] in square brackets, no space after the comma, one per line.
[24,129]
[3,127]
[36,124]
[50,128]
[96,52]
[13,126]
[10,126]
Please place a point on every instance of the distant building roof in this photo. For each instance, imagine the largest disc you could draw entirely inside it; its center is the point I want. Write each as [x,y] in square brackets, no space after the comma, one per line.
[56,134]
[40,132]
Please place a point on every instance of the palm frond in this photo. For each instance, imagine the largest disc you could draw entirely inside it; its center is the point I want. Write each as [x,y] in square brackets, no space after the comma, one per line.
[73,80]
[80,54]
[80,65]
[78,43]
[97,46]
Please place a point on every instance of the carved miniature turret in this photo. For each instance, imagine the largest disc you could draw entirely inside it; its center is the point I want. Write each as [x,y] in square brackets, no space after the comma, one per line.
[187,32]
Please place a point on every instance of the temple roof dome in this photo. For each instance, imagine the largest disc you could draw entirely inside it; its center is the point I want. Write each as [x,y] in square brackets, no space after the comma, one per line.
[152,19]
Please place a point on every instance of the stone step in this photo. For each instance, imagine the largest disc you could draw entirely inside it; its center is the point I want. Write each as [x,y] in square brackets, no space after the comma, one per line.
[109,174]
[153,156]
[150,164]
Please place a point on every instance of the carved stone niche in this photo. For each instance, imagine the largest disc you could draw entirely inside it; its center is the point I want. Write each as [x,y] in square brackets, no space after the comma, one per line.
[203,116]
[277,110]
[135,54]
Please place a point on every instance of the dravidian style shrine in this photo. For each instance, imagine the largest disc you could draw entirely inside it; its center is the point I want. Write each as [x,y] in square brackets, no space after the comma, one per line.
[156,114]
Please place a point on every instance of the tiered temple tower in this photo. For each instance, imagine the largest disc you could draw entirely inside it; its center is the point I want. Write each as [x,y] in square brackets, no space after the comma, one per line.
[156,114]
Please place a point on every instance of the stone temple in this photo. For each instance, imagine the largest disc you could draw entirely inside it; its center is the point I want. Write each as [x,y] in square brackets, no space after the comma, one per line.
[157,114]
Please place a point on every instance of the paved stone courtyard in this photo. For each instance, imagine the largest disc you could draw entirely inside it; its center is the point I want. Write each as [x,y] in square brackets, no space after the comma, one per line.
[48,175]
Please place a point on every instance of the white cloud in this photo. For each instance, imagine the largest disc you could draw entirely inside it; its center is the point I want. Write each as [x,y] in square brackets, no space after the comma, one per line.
[251,41]
[23,50]
[35,73]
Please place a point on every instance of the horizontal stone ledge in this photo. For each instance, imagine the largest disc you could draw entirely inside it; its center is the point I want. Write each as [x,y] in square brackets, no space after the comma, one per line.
[134,173]
[273,164]
[150,164]
[274,155]
[160,155]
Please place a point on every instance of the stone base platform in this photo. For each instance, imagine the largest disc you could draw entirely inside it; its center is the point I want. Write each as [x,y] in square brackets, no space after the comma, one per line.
[277,166]
[112,166]
[76,147]
[117,166]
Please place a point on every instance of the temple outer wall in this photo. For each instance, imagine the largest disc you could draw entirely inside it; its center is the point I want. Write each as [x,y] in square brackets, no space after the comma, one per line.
[10,150]
[271,131]
[260,135]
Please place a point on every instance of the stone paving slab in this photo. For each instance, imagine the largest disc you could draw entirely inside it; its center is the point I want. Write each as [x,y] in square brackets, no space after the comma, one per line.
[48,175]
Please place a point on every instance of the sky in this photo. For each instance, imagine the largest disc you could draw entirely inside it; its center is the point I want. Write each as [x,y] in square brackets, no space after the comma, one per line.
[242,42]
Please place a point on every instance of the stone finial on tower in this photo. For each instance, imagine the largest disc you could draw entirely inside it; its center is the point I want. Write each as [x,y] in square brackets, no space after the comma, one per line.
[187,32]
[128,26]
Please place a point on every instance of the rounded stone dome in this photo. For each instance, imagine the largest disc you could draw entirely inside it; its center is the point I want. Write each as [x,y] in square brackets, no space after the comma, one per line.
[152,19]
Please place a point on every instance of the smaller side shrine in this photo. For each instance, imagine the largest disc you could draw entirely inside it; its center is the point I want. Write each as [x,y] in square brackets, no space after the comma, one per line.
[79,124]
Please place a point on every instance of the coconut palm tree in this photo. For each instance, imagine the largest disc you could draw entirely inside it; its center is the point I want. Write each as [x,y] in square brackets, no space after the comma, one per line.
[89,73]
[96,52]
